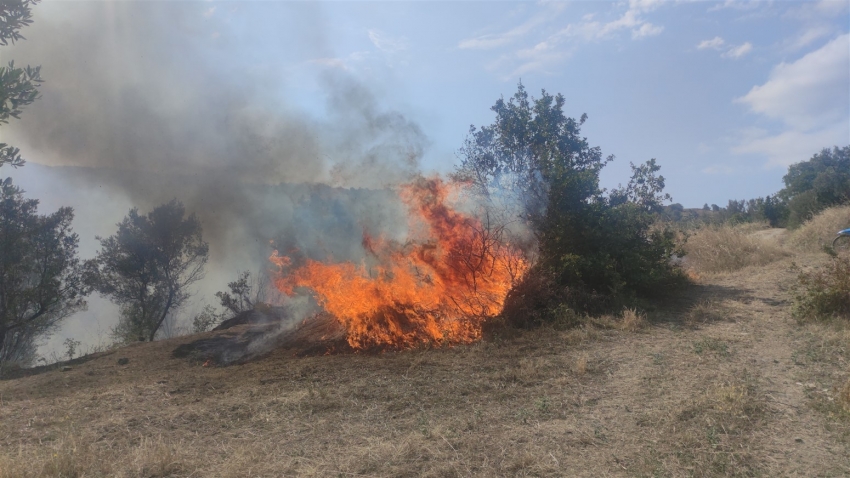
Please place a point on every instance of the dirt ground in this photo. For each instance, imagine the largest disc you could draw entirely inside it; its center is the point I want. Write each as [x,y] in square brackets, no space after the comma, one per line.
[722,383]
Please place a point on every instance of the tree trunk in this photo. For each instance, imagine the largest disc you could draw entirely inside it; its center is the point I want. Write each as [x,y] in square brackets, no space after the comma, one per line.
[164,313]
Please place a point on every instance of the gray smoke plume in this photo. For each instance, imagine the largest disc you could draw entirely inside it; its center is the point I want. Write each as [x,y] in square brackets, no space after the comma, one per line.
[135,92]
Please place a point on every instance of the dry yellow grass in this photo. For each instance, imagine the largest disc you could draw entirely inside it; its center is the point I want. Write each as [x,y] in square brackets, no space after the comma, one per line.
[819,231]
[715,249]
[844,397]
[592,401]
[633,320]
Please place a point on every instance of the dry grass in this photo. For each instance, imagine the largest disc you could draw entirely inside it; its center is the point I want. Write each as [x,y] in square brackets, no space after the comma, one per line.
[714,249]
[818,232]
[824,292]
[844,397]
[633,320]
[594,400]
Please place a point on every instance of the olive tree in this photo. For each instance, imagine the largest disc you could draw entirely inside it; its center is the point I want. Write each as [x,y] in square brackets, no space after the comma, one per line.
[147,267]
[40,275]
[595,249]
[18,86]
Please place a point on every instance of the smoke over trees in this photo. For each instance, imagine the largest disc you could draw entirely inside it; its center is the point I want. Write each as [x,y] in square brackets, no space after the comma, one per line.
[147,267]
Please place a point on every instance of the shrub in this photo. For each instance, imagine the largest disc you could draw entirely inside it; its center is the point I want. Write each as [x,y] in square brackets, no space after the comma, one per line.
[596,252]
[819,231]
[824,293]
[729,248]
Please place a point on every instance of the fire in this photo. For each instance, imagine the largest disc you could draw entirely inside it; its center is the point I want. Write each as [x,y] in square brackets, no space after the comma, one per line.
[452,273]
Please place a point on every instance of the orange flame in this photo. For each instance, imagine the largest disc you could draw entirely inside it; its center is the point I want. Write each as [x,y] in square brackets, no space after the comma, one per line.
[452,274]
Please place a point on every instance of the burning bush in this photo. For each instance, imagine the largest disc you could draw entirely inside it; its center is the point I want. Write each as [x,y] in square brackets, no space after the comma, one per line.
[592,252]
[452,273]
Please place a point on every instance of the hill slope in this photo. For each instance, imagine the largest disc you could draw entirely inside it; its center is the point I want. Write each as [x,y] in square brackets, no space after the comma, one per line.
[723,383]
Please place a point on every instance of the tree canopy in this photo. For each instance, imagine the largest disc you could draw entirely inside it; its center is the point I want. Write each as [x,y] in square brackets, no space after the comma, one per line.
[147,267]
[18,86]
[594,249]
[814,185]
[40,275]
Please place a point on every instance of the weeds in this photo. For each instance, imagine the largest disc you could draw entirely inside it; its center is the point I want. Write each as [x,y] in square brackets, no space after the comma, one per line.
[824,293]
[633,320]
[708,344]
[819,231]
[729,248]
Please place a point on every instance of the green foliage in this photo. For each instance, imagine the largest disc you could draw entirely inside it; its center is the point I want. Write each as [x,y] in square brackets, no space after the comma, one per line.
[147,266]
[18,86]
[40,275]
[71,347]
[814,185]
[824,293]
[239,299]
[14,15]
[206,319]
[595,251]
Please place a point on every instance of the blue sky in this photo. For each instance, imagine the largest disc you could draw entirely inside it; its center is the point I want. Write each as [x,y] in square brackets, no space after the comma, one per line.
[724,95]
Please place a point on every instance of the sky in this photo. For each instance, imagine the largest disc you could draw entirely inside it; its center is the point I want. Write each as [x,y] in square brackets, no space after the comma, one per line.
[725,95]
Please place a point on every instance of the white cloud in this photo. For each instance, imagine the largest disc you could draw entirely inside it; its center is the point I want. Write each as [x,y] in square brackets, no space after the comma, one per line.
[490,41]
[209,12]
[715,43]
[809,92]
[737,5]
[718,43]
[809,36]
[810,97]
[386,43]
[647,30]
[793,146]
[738,51]
[555,47]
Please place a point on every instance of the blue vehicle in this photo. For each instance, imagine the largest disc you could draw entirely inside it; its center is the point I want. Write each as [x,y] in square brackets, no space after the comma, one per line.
[841,243]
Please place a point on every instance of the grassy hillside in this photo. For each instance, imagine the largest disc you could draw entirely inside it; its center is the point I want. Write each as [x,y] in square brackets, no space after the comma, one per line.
[724,382]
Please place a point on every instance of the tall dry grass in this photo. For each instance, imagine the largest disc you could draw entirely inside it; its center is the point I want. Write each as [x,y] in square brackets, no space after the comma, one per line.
[729,248]
[820,230]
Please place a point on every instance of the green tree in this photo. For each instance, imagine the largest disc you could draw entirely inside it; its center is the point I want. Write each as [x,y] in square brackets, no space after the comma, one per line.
[40,275]
[18,86]
[147,267]
[594,250]
[814,185]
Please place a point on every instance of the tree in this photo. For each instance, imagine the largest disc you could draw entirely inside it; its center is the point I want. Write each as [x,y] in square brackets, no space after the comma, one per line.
[147,267]
[245,294]
[594,250]
[814,185]
[40,275]
[18,86]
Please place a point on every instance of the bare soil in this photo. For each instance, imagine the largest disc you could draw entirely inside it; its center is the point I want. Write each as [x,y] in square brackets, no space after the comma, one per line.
[721,383]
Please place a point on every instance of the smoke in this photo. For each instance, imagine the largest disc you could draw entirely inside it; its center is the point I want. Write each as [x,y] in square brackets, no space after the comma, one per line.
[151,97]
[151,101]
